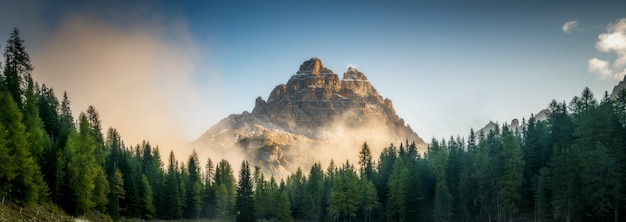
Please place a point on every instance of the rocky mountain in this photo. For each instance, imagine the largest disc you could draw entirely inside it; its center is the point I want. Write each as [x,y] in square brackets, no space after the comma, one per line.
[315,116]
[618,88]
[514,125]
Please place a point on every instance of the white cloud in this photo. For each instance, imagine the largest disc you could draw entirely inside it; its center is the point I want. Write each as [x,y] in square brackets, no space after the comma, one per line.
[613,41]
[601,67]
[570,26]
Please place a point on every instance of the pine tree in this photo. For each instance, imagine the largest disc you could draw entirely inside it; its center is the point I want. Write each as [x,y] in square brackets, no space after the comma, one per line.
[296,184]
[369,198]
[314,193]
[283,213]
[7,167]
[117,193]
[511,180]
[443,199]
[147,197]
[365,161]
[244,203]
[17,67]
[209,190]
[225,190]
[398,189]
[79,176]
[24,179]
[194,187]
[172,200]
[37,138]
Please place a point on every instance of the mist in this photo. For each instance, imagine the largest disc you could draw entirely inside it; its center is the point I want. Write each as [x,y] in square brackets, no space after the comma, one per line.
[139,76]
[342,141]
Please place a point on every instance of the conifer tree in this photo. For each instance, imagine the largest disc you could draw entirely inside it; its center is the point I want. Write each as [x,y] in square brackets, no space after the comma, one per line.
[147,199]
[117,193]
[17,67]
[283,213]
[314,192]
[244,203]
[365,161]
[24,179]
[511,180]
[398,189]
[172,200]
[225,190]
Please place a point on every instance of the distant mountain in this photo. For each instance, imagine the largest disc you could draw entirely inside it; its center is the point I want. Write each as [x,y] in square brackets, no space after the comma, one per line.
[514,125]
[543,114]
[315,116]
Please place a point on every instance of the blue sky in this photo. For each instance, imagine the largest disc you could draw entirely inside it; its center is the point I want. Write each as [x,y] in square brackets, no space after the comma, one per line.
[448,66]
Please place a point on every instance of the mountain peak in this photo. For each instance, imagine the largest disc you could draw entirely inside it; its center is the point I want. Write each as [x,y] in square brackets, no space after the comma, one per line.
[312,66]
[353,75]
[313,111]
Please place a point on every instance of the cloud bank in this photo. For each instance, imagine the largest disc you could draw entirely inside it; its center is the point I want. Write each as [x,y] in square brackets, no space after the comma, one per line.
[613,41]
[570,26]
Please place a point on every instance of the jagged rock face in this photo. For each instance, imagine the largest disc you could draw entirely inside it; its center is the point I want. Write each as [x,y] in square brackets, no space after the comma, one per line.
[312,108]
[315,97]
[618,88]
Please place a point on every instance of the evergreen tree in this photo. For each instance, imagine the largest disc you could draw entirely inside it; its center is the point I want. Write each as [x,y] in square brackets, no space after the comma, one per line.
[345,195]
[365,161]
[263,199]
[225,190]
[172,200]
[209,190]
[369,198]
[511,180]
[17,67]
[443,199]
[194,187]
[117,193]
[24,181]
[7,167]
[244,203]
[314,193]
[296,183]
[37,138]
[81,167]
[283,214]
[147,197]
[398,190]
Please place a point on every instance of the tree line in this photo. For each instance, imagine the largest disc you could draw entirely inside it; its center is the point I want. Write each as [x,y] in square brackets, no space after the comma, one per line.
[568,167]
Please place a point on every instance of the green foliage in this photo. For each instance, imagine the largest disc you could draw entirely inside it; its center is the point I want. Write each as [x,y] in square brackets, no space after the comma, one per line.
[17,67]
[172,197]
[345,196]
[511,180]
[147,199]
[22,175]
[244,202]
[369,198]
[225,190]
[443,199]
[81,168]
[399,190]
[283,212]
[116,194]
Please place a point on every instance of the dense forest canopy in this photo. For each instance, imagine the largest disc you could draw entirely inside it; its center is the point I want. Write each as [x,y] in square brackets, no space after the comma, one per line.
[568,167]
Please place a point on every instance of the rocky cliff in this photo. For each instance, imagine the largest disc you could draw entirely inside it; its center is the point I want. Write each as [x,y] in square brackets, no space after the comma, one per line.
[621,86]
[310,118]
